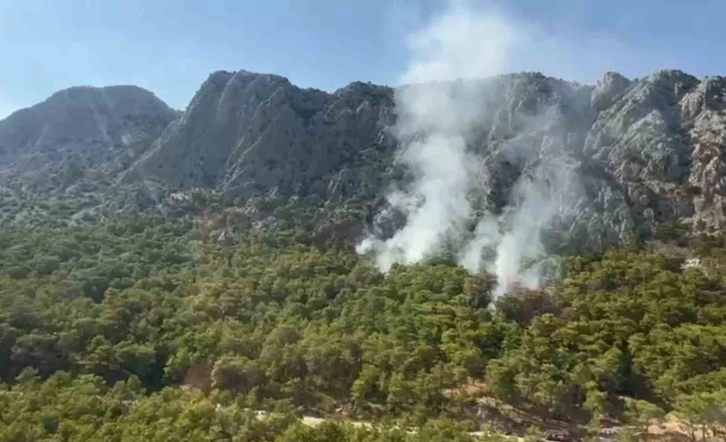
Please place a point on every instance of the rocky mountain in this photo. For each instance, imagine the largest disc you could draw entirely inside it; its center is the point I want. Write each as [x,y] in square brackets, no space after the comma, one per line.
[247,134]
[643,151]
[73,145]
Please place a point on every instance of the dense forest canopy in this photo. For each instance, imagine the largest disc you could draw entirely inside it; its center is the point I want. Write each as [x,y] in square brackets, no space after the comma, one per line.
[139,328]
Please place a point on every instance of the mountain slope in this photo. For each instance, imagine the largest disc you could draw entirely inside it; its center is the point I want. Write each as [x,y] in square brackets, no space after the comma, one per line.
[60,158]
[78,132]
[629,154]
[246,134]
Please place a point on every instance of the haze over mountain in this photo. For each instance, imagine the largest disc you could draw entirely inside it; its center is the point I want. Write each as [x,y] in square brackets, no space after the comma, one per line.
[489,170]
[648,150]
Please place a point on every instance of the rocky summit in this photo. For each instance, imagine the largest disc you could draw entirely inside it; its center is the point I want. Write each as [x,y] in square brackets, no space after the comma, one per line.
[71,148]
[247,134]
[78,130]
[639,152]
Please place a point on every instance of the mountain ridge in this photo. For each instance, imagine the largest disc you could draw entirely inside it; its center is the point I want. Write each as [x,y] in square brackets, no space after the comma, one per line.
[647,151]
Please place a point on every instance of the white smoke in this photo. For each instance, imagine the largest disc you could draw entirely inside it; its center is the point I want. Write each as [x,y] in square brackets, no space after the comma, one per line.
[460,43]
[521,240]
[480,252]
[436,117]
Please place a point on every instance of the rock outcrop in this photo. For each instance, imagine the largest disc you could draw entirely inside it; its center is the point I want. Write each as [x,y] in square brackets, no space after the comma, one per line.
[640,152]
[248,134]
[78,134]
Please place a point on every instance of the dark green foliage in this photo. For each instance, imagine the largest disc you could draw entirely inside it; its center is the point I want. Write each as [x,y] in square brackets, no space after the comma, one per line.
[102,324]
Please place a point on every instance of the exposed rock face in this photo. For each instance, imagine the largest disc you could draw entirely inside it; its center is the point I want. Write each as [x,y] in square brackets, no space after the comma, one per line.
[607,90]
[652,143]
[643,151]
[79,133]
[703,110]
[247,134]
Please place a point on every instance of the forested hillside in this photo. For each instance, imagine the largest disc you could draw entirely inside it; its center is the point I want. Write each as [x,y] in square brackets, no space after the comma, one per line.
[470,250]
[172,275]
[142,328]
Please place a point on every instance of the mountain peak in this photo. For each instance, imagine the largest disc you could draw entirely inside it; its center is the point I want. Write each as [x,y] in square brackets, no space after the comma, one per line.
[647,142]
[221,78]
[93,127]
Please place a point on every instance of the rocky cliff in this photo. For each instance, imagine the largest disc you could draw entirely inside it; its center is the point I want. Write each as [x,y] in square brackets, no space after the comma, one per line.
[248,134]
[77,133]
[642,151]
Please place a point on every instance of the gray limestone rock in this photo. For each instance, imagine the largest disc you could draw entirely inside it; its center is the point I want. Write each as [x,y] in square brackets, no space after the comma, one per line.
[634,153]
[81,133]
[607,90]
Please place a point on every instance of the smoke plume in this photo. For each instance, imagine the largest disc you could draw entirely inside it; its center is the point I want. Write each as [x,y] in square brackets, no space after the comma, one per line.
[438,114]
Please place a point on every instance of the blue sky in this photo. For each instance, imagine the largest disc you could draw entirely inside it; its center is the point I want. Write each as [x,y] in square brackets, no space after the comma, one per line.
[170,47]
